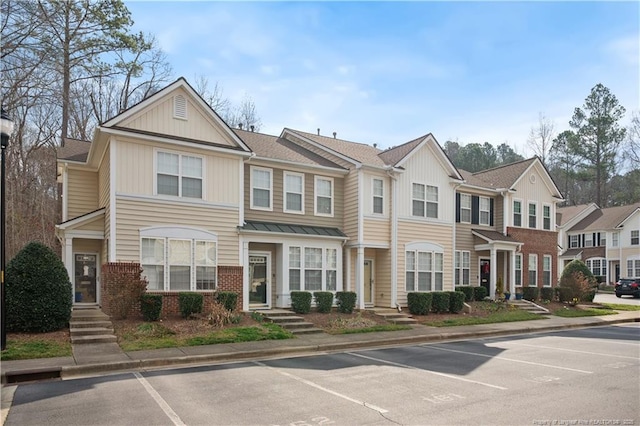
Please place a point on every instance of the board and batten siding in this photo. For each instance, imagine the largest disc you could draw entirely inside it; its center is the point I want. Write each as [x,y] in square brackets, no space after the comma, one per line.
[412,231]
[82,192]
[134,215]
[423,168]
[530,189]
[135,175]
[159,118]
[277,214]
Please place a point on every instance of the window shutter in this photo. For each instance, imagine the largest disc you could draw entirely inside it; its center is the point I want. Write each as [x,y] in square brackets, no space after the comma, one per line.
[491,211]
[582,237]
[458,207]
[475,209]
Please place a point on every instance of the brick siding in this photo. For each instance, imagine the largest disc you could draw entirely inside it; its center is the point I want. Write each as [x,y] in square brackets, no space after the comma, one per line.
[540,243]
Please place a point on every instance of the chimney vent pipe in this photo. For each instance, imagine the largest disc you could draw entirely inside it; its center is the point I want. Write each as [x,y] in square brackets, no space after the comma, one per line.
[334,135]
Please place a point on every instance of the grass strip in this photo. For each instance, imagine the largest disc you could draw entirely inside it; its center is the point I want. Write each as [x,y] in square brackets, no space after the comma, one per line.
[621,307]
[509,316]
[35,349]
[590,312]
[382,327]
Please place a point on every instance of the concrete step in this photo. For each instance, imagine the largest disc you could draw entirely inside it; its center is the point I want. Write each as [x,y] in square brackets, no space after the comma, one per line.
[88,314]
[87,331]
[81,340]
[284,319]
[308,330]
[394,316]
[90,324]
[296,325]
[403,321]
[528,306]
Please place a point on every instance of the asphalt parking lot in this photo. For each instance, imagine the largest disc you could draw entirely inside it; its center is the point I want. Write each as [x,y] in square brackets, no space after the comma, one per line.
[584,376]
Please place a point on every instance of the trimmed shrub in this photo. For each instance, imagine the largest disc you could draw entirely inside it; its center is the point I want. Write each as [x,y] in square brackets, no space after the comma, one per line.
[530,293]
[588,296]
[578,283]
[578,266]
[479,293]
[456,301]
[468,292]
[346,301]
[324,301]
[440,302]
[419,303]
[546,293]
[301,302]
[565,294]
[37,291]
[190,303]
[151,306]
[228,299]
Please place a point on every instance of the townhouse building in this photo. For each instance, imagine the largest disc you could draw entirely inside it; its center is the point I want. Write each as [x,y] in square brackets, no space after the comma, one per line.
[202,206]
[606,240]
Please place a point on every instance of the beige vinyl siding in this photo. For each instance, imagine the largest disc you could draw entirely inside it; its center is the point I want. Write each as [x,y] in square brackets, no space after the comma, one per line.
[377,230]
[104,185]
[465,241]
[410,231]
[158,118]
[351,205]
[538,192]
[278,215]
[136,162]
[498,213]
[382,282]
[87,246]
[367,193]
[94,225]
[423,168]
[134,215]
[82,192]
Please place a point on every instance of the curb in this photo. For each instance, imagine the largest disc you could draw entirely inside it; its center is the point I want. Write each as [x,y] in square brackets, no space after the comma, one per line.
[61,373]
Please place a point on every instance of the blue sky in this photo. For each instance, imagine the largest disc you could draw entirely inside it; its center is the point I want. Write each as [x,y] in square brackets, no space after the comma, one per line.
[388,72]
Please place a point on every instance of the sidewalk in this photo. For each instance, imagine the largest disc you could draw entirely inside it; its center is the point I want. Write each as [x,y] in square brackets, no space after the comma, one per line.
[101,358]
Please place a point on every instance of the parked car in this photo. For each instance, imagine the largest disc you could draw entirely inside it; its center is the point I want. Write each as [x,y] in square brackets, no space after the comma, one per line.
[628,286]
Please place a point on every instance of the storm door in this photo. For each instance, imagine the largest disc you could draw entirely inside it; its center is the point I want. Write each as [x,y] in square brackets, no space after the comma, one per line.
[85,289]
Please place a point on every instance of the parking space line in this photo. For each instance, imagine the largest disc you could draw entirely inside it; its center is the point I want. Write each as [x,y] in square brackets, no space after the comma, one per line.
[507,359]
[571,350]
[450,376]
[159,400]
[322,388]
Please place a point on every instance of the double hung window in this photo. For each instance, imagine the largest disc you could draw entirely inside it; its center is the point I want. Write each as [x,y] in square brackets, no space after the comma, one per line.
[425,201]
[178,175]
[261,188]
[293,192]
[533,270]
[378,196]
[517,213]
[324,196]
[533,219]
[462,268]
[313,269]
[423,271]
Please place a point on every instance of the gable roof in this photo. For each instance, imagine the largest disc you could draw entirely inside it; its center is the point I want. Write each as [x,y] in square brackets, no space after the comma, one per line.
[73,150]
[274,147]
[395,154]
[605,219]
[566,213]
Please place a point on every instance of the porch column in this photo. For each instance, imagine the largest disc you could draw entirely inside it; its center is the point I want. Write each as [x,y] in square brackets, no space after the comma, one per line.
[348,284]
[67,258]
[512,272]
[360,277]
[493,273]
[245,276]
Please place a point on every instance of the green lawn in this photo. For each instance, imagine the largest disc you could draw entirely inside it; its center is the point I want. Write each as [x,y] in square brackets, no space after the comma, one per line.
[590,312]
[381,327]
[621,307]
[500,316]
[35,349]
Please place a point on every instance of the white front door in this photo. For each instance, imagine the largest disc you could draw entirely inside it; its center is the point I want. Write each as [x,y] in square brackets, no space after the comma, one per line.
[259,280]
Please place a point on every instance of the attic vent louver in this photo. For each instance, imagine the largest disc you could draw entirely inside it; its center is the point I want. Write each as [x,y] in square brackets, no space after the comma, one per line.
[180,107]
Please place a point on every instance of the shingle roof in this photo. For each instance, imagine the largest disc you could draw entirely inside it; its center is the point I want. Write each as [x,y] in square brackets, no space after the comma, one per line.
[268,146]
[498,177]
[359,152]
[288,228]
[494,236]
[574,252]
[74,150]
[569,212]
[604,219]
[393,155]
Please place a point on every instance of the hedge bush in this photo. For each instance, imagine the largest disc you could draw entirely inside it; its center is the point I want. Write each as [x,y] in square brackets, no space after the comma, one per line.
[37,291]
[346,301]
[419,303]
[468,292]
[546,293]
[530,293]
[228,299]
[578,266]
[151,306]
[479,293]
[190,303]
[578,282]
[565,294]
[301,302]
[440,302]
[324,301]
[456,301]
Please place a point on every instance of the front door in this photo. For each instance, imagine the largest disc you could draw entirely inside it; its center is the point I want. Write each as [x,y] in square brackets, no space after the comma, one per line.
[85,290]
[485,274]
[368,282]
[259,267]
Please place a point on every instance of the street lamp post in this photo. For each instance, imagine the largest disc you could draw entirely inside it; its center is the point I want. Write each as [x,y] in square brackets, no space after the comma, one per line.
[6,128]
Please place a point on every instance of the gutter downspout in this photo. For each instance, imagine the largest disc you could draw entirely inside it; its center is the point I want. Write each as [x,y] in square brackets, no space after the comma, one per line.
[453,264]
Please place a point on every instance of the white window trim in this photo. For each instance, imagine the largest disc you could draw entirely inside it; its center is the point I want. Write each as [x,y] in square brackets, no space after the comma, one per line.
[635,267]
[426,201]
[488,211]
[459,266]
[534,269]
[550,216]
[547,256]
[180,154]
[518,271]
[588,242]
[251,205]
[577,237]
[315,195]
[432,271]
[631,237]
[615,239]
[285,192]
[513,213]
[374,196]
[529,203]
[325,265]
[466,196]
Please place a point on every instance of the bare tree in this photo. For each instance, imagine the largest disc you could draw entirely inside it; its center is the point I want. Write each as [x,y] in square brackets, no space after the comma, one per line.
[632,150]
[541,138]
[246,114]
[213,96]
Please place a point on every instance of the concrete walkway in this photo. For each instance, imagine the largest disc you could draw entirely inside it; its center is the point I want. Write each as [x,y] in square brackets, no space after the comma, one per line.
[101,358]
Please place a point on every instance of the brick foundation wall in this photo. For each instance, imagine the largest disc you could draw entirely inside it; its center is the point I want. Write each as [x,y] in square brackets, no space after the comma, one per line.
[229,279]
[540,243]
[111,292]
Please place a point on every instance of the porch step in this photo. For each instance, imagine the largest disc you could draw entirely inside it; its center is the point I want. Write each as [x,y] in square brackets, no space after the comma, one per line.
[88,314]
[105,338]
[90,325]
[290,321]
[528,306]
[90,331]
[393,316]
